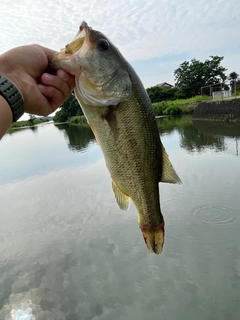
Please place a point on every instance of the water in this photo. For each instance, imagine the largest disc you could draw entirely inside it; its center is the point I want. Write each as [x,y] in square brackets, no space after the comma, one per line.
[68,252]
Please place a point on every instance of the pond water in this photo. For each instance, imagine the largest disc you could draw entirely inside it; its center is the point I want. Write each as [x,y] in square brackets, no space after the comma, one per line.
[68,252]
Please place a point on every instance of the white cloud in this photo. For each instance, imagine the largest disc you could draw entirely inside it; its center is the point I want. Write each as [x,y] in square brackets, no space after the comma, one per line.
[141,29]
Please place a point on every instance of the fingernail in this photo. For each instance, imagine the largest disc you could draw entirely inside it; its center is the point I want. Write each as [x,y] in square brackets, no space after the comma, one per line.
[62,74]
[65,76]
[41,87]
[48,78]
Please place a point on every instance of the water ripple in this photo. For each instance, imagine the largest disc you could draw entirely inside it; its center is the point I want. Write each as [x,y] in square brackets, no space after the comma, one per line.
[214,215]
[199,220]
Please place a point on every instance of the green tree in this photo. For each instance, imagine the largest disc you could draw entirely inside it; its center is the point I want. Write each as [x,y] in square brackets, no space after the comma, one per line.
[69,108]
[233,76]
[63,116]
[234,82]
[31,119]
[157,94]
[191,76]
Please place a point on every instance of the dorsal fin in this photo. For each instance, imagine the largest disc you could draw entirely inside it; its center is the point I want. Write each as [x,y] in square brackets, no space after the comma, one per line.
[122,200]
[169,175]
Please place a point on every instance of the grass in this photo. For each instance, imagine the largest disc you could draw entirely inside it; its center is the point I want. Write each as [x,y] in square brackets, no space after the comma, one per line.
[20,124]
[177,107]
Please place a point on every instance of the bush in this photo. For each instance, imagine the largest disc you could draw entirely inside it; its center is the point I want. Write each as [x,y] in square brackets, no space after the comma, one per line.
[180,106]
[78,120]
[160,107]
[173,110]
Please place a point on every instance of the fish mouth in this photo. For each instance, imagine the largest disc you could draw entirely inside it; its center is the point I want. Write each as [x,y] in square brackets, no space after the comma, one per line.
[154,238]
[71,58]
[68,58]
[85,34]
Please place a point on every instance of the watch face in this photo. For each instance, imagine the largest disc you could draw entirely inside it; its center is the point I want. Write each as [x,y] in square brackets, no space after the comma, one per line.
[13,97]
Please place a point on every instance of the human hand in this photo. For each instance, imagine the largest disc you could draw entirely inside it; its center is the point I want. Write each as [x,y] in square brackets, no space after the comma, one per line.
[27,67]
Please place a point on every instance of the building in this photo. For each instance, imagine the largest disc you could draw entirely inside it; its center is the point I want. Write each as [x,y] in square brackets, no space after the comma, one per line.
[165,85]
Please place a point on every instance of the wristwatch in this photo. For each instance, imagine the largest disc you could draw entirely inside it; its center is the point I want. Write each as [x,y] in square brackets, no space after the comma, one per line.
[13,97]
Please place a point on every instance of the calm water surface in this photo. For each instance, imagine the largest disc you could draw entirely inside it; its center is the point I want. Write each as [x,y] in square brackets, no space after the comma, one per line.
[68,252]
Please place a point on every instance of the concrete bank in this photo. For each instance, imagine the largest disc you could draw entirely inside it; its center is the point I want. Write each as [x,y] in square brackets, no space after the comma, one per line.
[224,110]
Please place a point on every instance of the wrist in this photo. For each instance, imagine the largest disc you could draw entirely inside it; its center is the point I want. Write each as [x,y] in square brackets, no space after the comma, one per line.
[9,88]
[5,117]
[12,96]
[12,72]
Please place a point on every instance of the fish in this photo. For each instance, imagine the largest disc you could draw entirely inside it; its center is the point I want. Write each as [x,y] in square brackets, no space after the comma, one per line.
[120,114]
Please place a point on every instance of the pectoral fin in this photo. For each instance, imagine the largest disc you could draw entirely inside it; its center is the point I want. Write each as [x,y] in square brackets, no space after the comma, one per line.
[122,200]
[110,117]
[169,175]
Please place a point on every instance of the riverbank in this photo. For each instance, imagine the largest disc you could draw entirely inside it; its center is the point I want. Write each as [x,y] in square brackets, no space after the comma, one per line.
[221,110]
[163,108]
[28,123]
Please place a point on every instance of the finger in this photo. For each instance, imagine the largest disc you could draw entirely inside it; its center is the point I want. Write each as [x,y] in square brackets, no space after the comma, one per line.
[48,52]
[54,96]
[58,83]
[69,78]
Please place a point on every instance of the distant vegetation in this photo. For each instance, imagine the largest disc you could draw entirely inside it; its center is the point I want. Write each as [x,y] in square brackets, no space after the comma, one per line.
[190,76]
[72,113]
[32,121]
[69,108]
[78,120]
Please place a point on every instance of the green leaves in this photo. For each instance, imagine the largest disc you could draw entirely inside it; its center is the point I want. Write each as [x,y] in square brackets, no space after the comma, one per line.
[191,76]
[157,93]
[69,108]
[233,76]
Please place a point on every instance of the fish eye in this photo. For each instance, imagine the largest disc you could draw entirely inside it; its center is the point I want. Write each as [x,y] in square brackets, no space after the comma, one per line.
[103,44]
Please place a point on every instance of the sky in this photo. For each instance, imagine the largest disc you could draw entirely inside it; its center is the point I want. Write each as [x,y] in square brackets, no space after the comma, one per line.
[155,36]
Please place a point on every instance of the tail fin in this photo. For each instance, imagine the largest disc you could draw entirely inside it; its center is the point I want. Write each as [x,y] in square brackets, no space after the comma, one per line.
[154,239]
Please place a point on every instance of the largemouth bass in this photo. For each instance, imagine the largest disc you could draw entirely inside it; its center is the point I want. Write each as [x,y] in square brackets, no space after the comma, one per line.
[120,114]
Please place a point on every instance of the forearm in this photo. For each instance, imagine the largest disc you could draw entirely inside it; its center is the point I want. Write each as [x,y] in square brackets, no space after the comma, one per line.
[5,116]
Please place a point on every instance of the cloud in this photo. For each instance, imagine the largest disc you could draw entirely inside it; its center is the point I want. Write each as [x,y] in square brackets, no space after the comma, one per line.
[140,29]
[148,28]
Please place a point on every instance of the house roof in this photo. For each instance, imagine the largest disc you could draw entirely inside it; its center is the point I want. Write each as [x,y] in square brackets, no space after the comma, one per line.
[165,84]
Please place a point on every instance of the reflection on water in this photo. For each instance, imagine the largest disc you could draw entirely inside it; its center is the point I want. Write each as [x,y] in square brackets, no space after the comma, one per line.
[27,153]
[68,252]
[18,129]
[78,137]
[191,138]
[227,129]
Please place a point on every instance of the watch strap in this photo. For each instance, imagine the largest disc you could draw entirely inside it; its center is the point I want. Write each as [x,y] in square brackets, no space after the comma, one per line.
[13,97]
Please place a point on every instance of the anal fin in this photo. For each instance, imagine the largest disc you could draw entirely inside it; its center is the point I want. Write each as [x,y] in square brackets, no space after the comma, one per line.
[122,200]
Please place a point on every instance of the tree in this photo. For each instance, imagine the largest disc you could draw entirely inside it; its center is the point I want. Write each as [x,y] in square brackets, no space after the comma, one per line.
[69,108]
[31,119]
[234,82]
[233,76]
[157,94]
[191,76]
